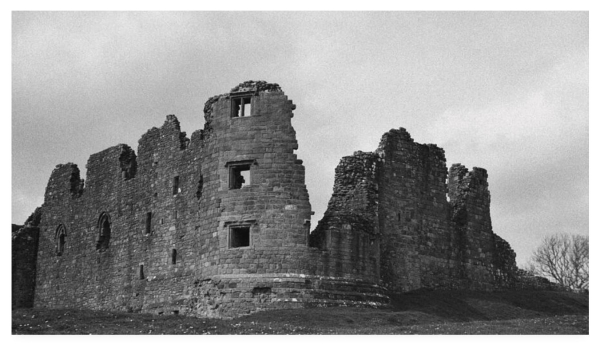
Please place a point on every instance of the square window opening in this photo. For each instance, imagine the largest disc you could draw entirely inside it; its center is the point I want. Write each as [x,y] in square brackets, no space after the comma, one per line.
[239,237]
[241,107]
[239,176]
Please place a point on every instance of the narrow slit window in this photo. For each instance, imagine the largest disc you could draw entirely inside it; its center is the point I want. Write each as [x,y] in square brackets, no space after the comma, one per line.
[239,176]
[241,106]
[199,189]
[173,256]
[176,189]
[141,272]
[148,222]
[61,244]
[239,237]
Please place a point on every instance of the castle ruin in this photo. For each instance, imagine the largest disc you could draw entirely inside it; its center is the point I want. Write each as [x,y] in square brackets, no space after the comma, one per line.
[218,225]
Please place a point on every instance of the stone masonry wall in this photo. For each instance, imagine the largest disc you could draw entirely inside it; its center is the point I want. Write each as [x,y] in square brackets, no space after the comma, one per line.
[144,229]
[348,234]
[487,260]
[413,214]
[431,234]
[218,224]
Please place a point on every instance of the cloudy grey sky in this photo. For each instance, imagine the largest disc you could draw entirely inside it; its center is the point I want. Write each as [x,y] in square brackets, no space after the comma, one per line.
[506,91]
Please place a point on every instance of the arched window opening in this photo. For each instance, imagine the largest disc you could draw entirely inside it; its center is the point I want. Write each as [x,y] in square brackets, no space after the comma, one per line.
[104,231]
[61,244]
[61,233]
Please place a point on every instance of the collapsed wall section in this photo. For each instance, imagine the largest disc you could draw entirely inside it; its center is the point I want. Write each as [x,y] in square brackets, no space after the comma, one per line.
[64,185]
[348,234]
[487,261]
[428,234]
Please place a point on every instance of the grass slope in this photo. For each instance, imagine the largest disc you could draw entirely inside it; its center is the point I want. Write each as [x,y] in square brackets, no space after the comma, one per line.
[419,312]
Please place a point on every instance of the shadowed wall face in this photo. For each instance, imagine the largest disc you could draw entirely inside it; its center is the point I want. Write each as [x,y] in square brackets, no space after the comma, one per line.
[24,256]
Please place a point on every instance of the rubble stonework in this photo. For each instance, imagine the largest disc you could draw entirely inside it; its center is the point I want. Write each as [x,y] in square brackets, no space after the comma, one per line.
[218,225]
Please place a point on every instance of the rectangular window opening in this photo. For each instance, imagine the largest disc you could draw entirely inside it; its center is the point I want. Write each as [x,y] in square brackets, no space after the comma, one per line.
[173,256]
[239,237]
[148,222]
[261,290]
[61,245]
[141,271]
[241,106]
[239,176]
[176,189]
[247,111]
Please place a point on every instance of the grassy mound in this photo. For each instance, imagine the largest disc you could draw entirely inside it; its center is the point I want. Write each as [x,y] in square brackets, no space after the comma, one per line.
[418,312]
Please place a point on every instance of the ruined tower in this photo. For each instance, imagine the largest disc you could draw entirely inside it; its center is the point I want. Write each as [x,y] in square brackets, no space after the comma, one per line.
[218,224]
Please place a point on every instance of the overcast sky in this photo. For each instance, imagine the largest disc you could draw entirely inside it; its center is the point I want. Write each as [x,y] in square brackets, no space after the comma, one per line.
[505,91]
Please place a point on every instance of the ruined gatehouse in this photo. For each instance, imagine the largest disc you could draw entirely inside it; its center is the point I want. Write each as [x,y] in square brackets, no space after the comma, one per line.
[218,224]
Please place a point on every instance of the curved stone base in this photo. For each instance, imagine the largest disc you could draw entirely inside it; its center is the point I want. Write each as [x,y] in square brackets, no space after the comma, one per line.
[228,296]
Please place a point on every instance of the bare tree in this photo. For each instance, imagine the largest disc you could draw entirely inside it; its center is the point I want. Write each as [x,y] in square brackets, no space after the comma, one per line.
[564,259]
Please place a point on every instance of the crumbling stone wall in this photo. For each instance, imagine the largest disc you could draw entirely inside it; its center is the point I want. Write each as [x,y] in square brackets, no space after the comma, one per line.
[527,281]
[218,224]
[413,213]
[429,233]
[156,231]
[487,260]
[348,234]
